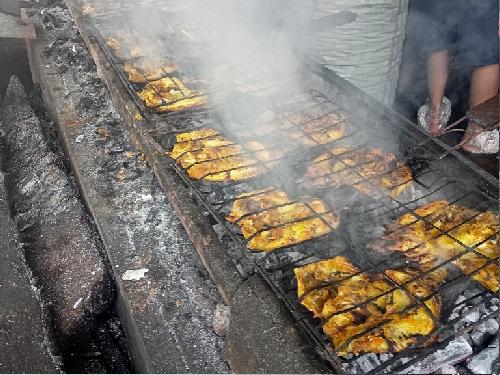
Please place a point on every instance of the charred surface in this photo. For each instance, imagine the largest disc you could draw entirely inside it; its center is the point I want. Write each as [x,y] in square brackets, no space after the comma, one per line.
[60,244]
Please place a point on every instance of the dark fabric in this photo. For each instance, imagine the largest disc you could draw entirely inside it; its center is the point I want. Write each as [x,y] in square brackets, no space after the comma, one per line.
[467,27]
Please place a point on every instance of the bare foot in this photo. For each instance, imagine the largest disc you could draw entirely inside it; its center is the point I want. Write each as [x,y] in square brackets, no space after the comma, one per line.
[434,120]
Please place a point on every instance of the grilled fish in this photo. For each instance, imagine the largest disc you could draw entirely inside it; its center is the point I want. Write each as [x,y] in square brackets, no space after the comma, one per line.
[424,241]
[367,313]
[366,169]
[270,220]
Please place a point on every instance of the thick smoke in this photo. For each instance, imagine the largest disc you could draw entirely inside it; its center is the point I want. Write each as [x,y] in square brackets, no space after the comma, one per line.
[234,45]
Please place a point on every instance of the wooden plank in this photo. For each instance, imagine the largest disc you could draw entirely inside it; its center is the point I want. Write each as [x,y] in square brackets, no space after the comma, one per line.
[487,114]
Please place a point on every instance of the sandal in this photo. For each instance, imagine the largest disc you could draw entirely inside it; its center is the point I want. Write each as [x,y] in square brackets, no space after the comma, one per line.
[434,121]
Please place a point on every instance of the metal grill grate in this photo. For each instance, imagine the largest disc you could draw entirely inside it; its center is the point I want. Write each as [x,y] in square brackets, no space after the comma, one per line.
[431,181]
[362,217]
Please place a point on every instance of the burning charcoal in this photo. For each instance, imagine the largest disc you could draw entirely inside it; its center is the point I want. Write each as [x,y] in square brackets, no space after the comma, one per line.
[220,231]
[484,331]
[447,370]
[483,362]
[468,315]
[366,363]
[456,351]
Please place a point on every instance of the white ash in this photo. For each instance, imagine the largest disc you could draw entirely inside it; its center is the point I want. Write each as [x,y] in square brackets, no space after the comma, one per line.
[220,322]
[455,352]
[483,362]
[135,275]
[447,370]
[363,364]
[484,331]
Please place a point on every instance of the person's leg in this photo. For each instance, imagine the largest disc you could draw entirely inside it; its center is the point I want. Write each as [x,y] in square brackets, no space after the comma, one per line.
[437,76]
[484,85]
[479,49]
[436,39]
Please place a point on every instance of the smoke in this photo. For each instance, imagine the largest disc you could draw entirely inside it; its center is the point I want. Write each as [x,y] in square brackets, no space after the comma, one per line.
[230,46]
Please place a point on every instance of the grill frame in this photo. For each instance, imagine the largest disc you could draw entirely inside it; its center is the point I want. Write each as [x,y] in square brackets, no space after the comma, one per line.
[336,83]
[306,323]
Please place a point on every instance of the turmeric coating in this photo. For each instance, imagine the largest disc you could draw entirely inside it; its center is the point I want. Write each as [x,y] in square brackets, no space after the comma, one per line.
[271,220]
[207,155]
[319,131]
[424,240]
[352,305]
[147,71]
[125,47]
[169,94]
[368,170]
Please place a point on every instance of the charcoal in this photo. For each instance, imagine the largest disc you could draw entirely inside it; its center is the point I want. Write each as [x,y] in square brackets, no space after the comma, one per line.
[366,363]
[447,370]
[220,322]
[220,231]
[484,331]
[456,351]
[482,363]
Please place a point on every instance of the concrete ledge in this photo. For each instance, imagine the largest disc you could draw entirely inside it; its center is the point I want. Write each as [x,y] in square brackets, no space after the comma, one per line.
[296,353]
[165,297]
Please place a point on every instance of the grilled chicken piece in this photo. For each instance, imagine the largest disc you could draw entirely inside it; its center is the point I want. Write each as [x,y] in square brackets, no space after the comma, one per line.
[165,90]
[318,131]
[169,94]
[271,220]
[206,154]
[329,287]
[125,47]
[196,101]
[423,241]
[147,71]
[366,169]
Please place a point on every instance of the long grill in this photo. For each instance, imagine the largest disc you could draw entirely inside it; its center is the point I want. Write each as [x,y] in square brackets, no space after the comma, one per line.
[362,218]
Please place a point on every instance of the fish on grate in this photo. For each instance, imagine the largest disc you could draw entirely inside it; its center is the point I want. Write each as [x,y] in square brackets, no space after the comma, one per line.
[270,219]
[320,130]
[364,312]
[438,231]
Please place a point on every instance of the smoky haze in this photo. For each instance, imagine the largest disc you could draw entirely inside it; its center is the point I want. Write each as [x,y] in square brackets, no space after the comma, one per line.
[251,45]
[236,44]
